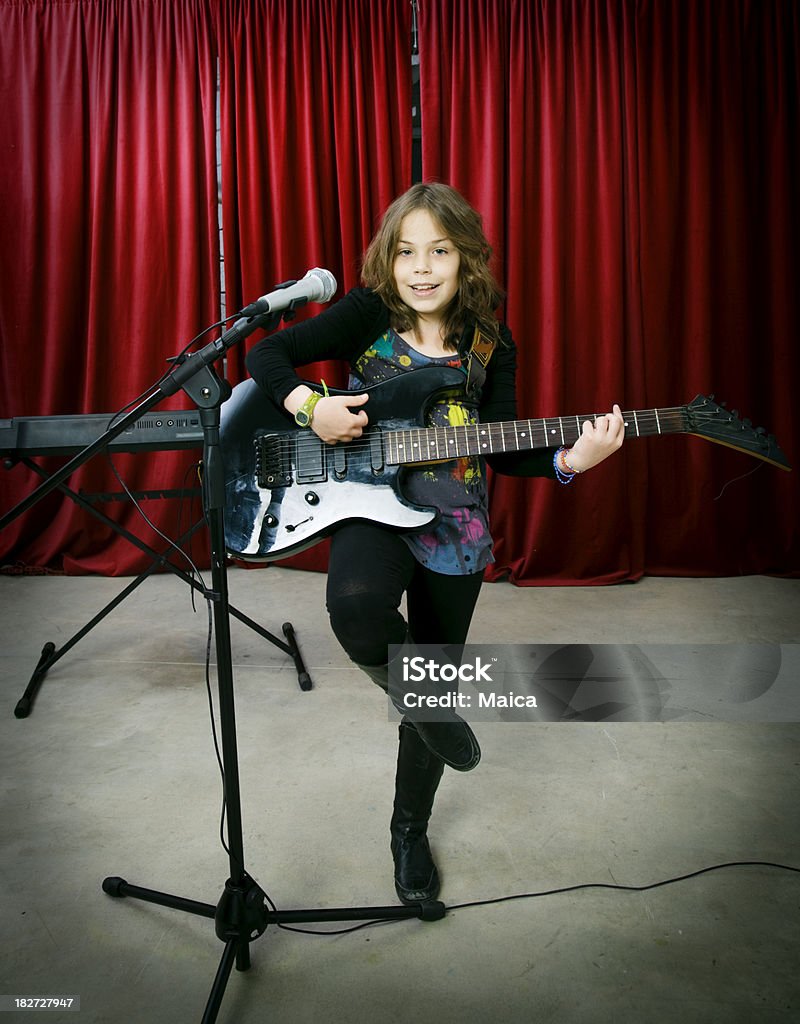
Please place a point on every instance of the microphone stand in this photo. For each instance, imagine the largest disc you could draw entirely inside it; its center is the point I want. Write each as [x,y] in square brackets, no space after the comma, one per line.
[243,912]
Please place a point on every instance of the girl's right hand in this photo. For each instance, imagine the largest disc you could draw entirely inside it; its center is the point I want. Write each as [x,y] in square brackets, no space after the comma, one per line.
[338,418]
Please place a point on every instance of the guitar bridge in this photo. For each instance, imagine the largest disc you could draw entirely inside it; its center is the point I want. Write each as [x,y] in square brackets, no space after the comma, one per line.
[273,464]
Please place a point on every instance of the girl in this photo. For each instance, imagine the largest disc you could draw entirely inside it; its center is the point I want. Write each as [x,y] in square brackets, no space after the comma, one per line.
[429,293]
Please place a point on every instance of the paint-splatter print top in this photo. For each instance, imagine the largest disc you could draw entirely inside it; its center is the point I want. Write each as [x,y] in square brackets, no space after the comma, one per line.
[459,542]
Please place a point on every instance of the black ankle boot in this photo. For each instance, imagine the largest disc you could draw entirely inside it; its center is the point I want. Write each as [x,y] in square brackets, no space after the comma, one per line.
[419,771]
[452,739]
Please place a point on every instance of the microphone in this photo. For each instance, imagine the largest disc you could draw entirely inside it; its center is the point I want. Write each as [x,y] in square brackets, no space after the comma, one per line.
[317,286]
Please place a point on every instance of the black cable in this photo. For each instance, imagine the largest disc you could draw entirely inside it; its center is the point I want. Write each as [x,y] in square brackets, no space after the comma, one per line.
[193,569]
[212,716]
[193,468]
[629,888]
[565,889]
[342,931]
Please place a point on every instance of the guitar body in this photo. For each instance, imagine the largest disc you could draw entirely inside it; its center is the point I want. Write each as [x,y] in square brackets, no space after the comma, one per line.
[311,487]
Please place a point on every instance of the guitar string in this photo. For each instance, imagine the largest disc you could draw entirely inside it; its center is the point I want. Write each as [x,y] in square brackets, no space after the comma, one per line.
[648,420]
[402,448]
[545,423]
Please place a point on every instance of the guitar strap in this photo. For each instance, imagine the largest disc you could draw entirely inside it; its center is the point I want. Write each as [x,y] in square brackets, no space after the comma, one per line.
[480,352]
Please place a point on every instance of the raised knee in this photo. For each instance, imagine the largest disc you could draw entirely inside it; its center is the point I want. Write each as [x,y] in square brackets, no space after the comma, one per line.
[364,626]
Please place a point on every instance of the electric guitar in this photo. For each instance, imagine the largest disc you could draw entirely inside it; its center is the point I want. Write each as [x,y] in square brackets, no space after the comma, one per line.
[285,489]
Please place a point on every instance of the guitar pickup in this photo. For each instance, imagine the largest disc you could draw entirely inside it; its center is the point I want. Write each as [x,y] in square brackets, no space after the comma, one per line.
[309,458]
[339,456]
[376,451]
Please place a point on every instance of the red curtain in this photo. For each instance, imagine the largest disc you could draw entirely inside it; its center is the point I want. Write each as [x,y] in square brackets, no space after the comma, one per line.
[316,142]
[316,136]
[111,253]
[109,261]
[636,165]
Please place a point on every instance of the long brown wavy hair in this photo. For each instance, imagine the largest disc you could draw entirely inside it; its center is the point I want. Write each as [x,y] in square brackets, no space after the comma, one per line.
[478,294]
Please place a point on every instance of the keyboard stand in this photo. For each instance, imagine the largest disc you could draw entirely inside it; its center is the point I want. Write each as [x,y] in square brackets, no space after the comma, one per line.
[50,654]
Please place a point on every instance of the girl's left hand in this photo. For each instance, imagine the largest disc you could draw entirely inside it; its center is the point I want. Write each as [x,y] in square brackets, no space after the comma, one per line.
[599,439]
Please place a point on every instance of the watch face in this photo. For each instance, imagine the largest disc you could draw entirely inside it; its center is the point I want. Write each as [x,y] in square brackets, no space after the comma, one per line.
[305,413]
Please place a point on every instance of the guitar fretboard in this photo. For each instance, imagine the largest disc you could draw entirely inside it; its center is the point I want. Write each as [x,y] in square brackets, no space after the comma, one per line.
[429,444]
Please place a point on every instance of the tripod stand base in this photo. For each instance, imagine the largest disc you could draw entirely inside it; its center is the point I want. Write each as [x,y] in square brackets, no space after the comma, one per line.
[118,887]
[243,915]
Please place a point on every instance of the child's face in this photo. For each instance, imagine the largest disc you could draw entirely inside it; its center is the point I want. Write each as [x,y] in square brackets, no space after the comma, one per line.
[426,266]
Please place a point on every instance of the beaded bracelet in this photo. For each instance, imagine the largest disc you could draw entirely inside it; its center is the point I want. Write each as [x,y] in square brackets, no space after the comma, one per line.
[565,474]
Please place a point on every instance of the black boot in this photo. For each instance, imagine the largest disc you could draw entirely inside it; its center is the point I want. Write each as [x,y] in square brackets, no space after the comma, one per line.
[419,771]
[452,740]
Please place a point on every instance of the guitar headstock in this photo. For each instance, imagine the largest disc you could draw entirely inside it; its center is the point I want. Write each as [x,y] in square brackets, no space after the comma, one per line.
[714,422]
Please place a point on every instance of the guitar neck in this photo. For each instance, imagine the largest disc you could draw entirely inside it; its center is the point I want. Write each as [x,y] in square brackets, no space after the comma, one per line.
[431,444]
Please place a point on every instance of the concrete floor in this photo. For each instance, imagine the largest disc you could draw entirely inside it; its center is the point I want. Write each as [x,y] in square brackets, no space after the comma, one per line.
[114,773]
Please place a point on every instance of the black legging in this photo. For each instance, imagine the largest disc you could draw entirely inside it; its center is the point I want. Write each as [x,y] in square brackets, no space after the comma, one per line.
[370,569]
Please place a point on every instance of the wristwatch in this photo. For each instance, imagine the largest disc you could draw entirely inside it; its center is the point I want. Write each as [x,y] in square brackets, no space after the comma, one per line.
[305,414]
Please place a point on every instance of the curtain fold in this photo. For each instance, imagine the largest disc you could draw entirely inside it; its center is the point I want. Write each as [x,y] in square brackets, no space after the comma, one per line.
[316,135]
[109,262]
[633,164]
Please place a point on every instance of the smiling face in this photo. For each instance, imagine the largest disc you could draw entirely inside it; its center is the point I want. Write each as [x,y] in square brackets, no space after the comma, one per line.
[426,266]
